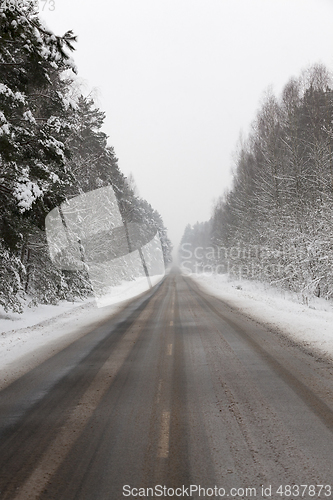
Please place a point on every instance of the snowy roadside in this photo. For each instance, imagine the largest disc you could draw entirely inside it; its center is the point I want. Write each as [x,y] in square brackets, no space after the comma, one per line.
[28,339]
[311,327]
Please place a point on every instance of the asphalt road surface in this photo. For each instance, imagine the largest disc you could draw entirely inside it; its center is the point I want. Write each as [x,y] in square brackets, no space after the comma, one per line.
[177,390]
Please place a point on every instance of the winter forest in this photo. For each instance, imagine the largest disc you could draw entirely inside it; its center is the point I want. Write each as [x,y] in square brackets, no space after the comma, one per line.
[52,148]
[275,223]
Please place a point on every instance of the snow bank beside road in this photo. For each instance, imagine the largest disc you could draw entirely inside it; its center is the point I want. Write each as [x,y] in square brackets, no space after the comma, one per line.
[24,348]
[281,311]
[34,315]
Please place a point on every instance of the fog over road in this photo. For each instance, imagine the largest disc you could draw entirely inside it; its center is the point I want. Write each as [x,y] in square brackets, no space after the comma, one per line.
[177,389]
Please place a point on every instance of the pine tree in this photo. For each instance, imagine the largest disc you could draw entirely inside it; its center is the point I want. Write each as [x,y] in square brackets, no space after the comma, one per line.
[32,130]
[52,148]
[33,156]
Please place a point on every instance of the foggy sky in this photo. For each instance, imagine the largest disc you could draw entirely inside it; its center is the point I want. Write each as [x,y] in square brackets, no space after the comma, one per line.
[181,80]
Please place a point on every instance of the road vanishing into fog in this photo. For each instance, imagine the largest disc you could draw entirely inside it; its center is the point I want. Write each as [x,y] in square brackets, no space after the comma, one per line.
[176,390]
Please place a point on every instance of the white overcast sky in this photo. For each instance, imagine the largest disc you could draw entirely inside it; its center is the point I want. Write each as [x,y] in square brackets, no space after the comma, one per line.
[179,81]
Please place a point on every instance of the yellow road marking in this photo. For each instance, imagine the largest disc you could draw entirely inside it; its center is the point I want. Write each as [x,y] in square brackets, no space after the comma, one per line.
[159,390]
[163,446]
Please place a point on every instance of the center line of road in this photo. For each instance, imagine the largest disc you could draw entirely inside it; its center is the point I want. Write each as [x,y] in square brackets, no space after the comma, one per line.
[171,323]
[169,349]
[163,446]
[159,390]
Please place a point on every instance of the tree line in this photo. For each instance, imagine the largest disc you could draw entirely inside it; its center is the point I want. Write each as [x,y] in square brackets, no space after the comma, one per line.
[275,223]
[52,148]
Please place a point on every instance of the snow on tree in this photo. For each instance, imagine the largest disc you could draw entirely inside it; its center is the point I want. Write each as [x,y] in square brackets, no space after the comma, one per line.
[51,149]
[278,212]
[32,125]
